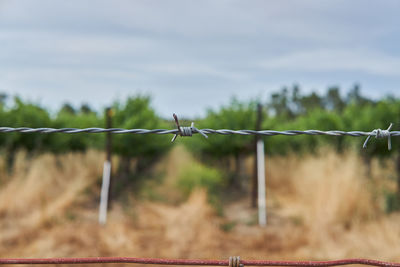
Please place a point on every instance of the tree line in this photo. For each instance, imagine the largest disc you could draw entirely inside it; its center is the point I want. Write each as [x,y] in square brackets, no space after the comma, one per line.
[286,109]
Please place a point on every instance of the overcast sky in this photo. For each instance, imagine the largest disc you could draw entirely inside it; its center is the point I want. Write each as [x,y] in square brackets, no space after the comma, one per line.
[190,55]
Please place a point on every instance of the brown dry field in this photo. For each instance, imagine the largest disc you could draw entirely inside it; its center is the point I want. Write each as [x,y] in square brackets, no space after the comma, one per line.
[320,207]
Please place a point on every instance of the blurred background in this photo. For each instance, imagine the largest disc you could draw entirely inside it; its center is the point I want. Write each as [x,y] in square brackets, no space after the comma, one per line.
[279,65]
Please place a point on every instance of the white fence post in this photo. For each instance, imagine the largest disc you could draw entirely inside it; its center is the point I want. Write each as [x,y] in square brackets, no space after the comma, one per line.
[104,193]
[262,210]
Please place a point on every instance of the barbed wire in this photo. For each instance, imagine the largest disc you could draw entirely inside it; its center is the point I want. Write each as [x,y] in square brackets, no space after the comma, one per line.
[232,262]
[189,131]
[205,131]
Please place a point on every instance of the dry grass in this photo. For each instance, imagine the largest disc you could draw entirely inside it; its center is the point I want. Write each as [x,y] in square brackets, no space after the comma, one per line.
[319,207]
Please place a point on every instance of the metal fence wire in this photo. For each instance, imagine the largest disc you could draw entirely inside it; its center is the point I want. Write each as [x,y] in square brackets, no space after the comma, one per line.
[189,131]
[231,262]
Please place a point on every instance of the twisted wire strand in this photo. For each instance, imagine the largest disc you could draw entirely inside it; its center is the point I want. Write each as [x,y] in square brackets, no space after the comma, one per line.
[98,260]
[194,131]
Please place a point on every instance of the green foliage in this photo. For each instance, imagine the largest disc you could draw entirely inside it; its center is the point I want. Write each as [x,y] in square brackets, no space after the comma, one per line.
[200,176]
[137,113]
[368,116]
[237,115]
[76,142]
[316,119]
[330,112]
[26,115]
[286,109]
[392,202]
[4,120]
[228,226]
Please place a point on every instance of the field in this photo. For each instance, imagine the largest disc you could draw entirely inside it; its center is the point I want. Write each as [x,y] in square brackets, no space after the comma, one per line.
[322,206]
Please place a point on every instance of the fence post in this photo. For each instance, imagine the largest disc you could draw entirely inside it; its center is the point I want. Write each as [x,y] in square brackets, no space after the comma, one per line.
[262,209]
[108,152]
[106,187]
[256,138]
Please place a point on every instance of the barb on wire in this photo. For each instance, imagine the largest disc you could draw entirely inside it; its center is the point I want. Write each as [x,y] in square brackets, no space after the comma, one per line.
[186,131]
[378,133]
[233,261]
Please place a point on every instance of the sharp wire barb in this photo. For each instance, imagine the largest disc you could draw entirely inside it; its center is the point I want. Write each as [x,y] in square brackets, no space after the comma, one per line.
[378,133]
[185,131]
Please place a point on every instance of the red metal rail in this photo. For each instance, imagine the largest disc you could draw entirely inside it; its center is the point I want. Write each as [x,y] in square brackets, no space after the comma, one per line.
[99,260]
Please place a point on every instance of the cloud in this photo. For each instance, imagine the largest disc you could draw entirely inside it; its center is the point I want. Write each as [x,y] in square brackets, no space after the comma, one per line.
[326,60]
[63,50]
